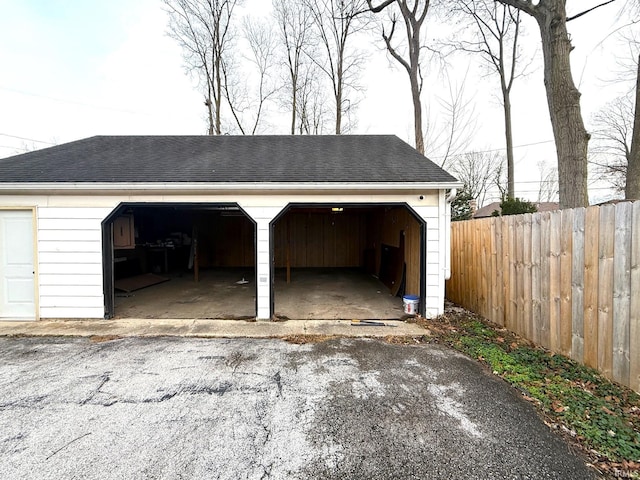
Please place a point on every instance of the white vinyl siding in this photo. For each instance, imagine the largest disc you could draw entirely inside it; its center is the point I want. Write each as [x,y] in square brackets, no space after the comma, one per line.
[70,262]
[434,281]
[263,216]
[69,241]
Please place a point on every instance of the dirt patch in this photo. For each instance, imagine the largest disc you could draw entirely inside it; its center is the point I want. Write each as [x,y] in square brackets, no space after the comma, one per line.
[103,338]
[303,339]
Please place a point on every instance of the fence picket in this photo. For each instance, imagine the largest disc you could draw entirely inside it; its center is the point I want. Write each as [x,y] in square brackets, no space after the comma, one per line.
[545,280]
[555,245]
[535,279]
[605,290]
[520,274]
[577,287]
[634,307]
[591,249]
[567,280]
[621,293]
[527,280]
[566,256]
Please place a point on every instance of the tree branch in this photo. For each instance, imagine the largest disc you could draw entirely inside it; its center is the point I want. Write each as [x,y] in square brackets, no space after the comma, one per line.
[589,10]
[526,6]
[380,7]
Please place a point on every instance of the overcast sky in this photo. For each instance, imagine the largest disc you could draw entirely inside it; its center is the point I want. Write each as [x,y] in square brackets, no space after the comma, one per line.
[71,69]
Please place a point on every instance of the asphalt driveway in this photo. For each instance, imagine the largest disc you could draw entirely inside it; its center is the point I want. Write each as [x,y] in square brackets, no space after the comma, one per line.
[142,408]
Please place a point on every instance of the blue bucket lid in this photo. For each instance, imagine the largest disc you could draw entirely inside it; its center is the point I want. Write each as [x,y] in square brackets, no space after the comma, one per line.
[411,297]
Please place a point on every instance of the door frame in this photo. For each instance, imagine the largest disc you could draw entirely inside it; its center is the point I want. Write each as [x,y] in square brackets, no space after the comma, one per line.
[108,280]
[423,241]
[34,237]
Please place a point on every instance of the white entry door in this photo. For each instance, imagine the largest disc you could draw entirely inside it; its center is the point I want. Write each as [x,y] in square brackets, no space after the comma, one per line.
[17,293]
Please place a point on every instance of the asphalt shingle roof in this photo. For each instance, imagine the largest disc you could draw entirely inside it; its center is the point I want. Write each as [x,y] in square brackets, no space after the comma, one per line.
[226,159]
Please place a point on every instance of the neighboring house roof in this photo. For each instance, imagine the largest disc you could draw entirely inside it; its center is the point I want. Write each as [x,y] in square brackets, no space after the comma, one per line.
[488,210]
[226,159]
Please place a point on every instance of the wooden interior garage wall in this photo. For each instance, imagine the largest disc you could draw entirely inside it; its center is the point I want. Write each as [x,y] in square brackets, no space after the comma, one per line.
[323,239]
[226,241]
[394,221]
[320,239]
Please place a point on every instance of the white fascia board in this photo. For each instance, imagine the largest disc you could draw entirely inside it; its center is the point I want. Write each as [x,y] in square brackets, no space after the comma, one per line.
[66,188]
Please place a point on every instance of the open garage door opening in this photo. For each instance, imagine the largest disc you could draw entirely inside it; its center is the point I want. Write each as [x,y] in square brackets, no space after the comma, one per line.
[346,261]
[179,261]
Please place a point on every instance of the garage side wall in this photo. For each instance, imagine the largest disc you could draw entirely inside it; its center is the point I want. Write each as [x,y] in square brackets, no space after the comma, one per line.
[70,262]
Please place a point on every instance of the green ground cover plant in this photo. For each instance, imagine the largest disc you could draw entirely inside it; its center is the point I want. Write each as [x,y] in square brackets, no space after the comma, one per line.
[599,417]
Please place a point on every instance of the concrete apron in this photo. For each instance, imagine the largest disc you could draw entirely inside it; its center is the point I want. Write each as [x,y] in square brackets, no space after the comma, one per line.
[316,302]
[135,327]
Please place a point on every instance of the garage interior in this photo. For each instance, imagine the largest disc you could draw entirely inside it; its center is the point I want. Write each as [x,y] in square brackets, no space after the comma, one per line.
[345,262]
[182,261]
[198,261]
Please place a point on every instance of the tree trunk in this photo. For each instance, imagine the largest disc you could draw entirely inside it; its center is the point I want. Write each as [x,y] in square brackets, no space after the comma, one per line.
[339,107]
[209,105]
[508,133]
[218,97]
[294,107]
[632,190]
[417,115]
[570,135]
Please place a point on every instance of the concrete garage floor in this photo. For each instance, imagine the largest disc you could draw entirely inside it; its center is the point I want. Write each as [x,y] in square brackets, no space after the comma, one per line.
[216,295]
[318,294]
[334,294]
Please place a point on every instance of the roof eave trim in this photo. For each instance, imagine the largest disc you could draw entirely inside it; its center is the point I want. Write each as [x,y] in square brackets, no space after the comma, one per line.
[226,187]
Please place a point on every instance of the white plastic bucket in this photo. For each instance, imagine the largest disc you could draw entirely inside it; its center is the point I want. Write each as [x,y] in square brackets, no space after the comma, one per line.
[410,303]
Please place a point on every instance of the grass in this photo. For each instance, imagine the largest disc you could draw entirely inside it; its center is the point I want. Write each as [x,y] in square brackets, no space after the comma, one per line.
[598,416]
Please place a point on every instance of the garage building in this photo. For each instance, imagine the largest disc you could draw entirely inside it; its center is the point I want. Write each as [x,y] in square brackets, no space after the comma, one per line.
[266,227]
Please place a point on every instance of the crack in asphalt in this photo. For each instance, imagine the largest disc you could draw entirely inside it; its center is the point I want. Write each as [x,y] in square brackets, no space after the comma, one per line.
[104,378]
[234,360]
[278,380]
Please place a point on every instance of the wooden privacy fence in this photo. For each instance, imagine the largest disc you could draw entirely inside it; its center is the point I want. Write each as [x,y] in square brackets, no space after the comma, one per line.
[567,280]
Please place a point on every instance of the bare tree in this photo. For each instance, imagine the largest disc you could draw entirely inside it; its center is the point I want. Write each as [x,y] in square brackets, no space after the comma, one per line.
[497,29]
[548,191]
[456,124]
[413,15]
[616,151]
[203,30]
[312,111]
[571,137]
[611,144]
[247,106]
[336,22]
[478,171]
[294,24]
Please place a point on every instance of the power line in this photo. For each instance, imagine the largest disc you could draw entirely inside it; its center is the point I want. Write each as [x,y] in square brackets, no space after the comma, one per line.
[73,102]
[26,139]
[11,147]
[496,149]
